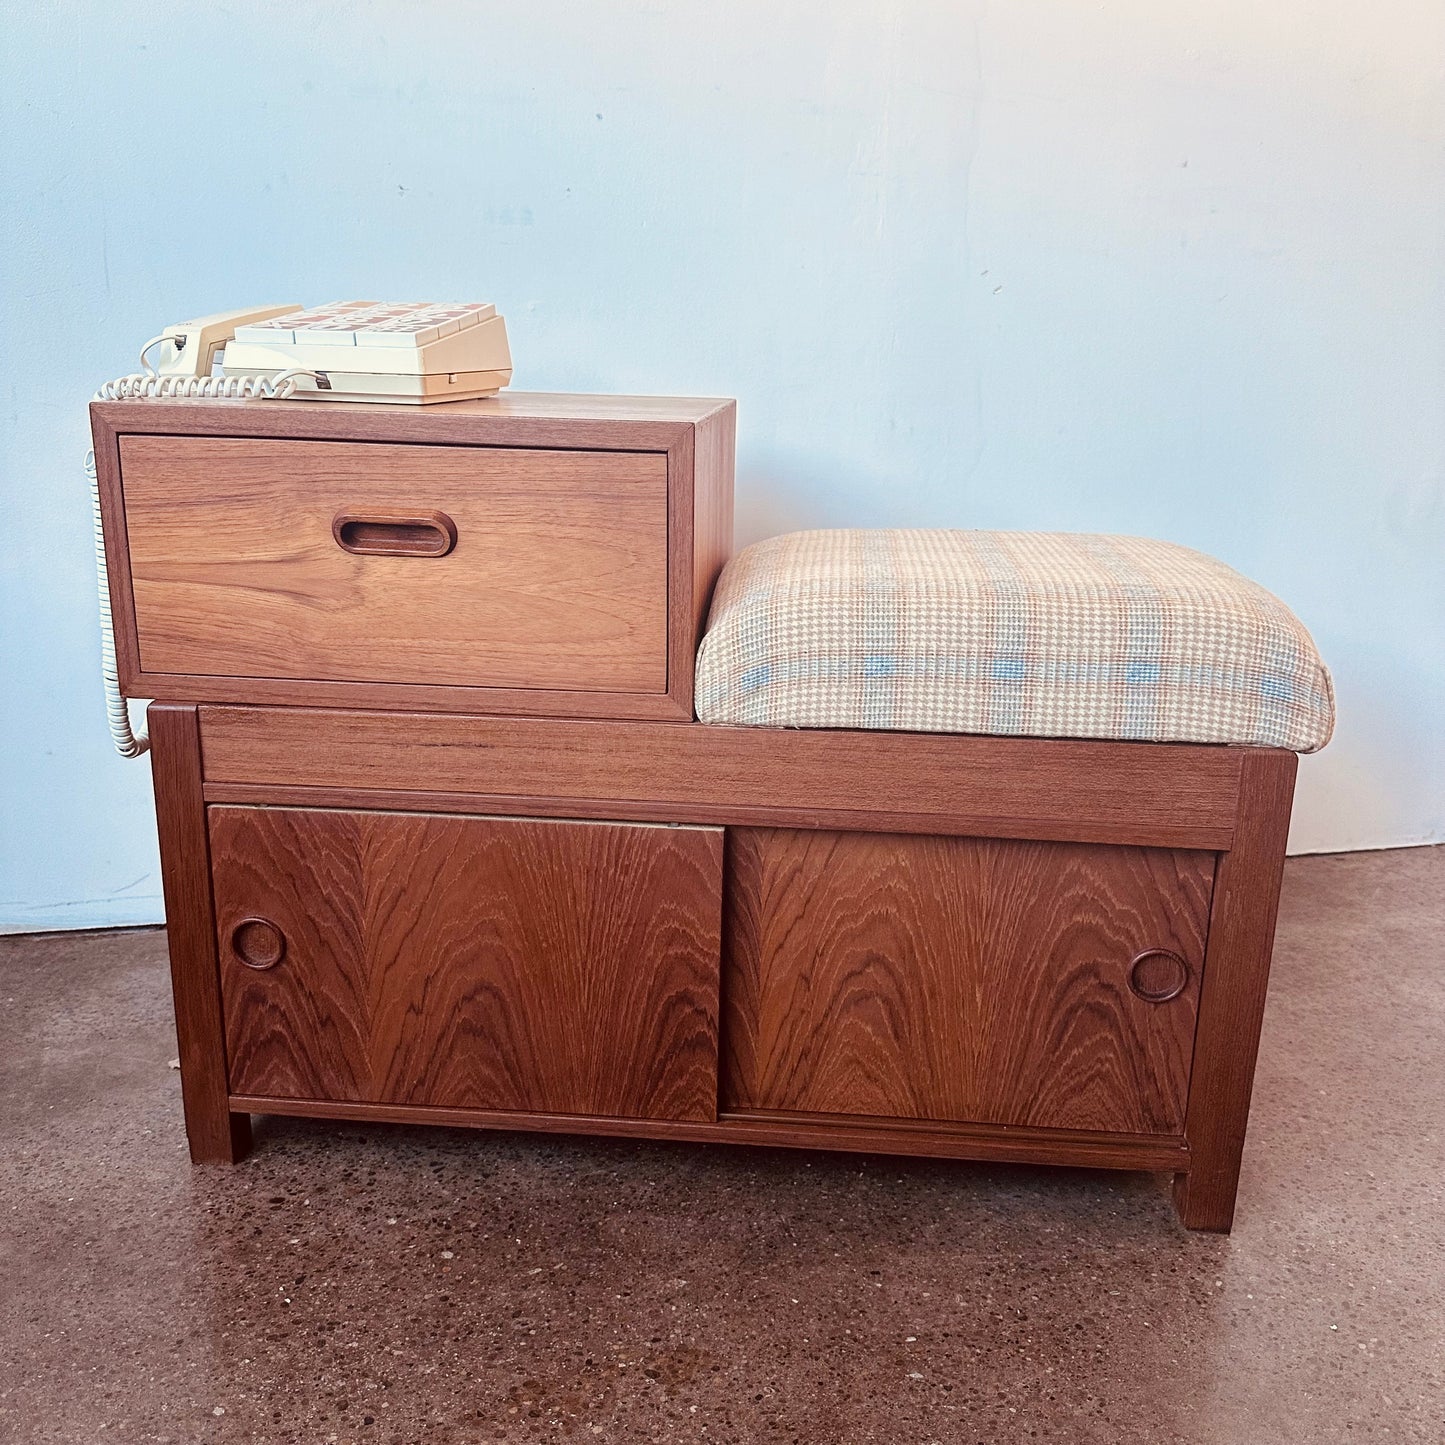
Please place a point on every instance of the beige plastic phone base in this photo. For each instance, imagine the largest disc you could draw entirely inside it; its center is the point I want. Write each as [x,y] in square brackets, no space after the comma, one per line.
[403,390]
[478,348]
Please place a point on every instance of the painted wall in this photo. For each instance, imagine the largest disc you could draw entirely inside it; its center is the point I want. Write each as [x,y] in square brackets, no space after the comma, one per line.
[1166,269]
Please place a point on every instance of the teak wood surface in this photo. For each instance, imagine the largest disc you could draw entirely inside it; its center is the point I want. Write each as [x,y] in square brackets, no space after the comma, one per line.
[1089,1149]
[1081,779]
[215,1133]
[959,979]
[557,578]
[524,966]
[1164,795]
[1236,974]
[692,439]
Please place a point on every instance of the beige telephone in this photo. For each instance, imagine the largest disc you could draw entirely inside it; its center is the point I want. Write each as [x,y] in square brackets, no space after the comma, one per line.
[399,352]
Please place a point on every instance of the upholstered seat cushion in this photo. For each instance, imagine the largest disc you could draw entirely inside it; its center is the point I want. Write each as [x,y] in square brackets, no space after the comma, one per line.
[1037,634]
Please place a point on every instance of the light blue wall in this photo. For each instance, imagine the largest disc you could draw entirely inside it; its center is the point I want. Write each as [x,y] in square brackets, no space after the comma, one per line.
[1165,269]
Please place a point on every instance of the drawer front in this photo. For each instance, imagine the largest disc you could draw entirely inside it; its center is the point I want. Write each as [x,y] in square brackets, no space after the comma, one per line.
[960,979]
[485,963]
[336,562]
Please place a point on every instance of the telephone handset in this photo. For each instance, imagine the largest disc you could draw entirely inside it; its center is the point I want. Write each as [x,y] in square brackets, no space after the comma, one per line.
[192,348]
[189,352]
[411,353]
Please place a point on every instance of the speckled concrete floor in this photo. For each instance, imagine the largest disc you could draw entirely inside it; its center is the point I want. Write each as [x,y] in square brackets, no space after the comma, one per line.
[402,1285]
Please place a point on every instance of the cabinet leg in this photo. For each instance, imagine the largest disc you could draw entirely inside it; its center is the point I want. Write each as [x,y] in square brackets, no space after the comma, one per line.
[1231,998]
[240,1132]
[223,1141]
[1206,1202]
[216,1135]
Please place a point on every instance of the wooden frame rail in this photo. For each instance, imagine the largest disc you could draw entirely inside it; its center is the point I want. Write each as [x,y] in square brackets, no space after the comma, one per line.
[984,1142]
[1146,794]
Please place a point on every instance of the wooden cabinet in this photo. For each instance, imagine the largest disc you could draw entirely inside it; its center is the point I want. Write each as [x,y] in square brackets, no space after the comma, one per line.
[483,963]
[1049,985]
[442,842]
[522,554]
[507,964]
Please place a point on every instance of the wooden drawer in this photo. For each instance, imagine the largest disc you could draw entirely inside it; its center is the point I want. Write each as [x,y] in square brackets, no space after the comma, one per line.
[529,554]
[264,558]
[485,963]
[997,982]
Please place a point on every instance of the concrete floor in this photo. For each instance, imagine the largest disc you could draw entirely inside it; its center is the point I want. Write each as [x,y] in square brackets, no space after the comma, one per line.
[404,1285]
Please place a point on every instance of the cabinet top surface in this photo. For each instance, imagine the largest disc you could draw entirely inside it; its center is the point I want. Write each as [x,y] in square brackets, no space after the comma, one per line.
[444,420]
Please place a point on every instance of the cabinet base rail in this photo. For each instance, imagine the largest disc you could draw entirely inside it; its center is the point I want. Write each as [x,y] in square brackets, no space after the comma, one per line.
[986,1143]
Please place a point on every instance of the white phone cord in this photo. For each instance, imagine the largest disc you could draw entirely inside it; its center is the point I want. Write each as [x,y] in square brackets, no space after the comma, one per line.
[148,384]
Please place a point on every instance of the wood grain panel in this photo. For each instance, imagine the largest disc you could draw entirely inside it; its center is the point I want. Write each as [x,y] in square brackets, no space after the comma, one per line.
[214,1132]
[1172,795]
[958,979]
[509,419]
[1236,976]
[472,962]
[117,553]
[442,698]
[558,578]
[1091,1149]
[714,466]
[700,469]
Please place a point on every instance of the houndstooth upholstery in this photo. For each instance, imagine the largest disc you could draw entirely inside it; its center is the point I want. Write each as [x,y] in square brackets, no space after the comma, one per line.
[1038,634]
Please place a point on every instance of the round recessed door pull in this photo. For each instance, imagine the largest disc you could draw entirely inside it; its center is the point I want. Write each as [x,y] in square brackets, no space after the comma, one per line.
[258,943]
[1157,975]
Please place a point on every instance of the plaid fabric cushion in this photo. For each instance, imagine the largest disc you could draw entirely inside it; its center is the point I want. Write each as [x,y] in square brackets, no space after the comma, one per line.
[1037,634]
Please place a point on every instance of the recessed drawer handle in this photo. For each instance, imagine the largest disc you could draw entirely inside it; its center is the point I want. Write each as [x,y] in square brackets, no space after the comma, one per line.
[385,534]
[1157,975]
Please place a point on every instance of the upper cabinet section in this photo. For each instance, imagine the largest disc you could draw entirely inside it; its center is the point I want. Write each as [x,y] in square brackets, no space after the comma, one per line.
[545,555]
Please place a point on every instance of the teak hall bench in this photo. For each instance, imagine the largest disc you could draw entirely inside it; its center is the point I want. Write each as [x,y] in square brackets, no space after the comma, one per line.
[958,844]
